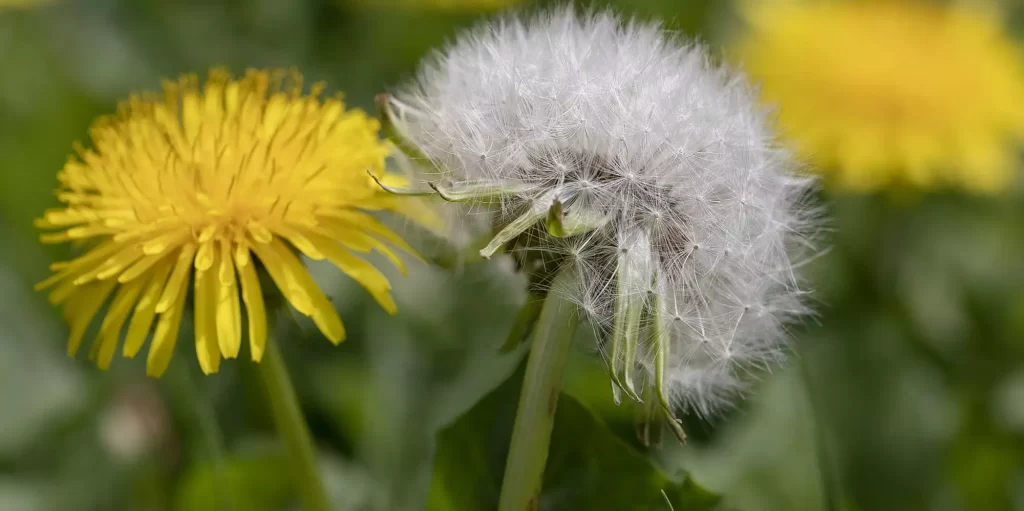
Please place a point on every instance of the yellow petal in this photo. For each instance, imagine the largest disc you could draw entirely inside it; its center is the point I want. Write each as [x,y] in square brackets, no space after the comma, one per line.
[63,291]
[280,260]
[259,232]
[145,310]
[324,315]
[53,218]
[52,279]
[110,329]
[205,256]
[81,309]
[205,316]
[91,258]
[166,334]
[242,255]
[77,233]
[229,308]
[300,241]
[161,243]
[358,219]
[356,239]
[112,266]
[279,274]
[360,270]
[255,310]
[141,266]
[179,277]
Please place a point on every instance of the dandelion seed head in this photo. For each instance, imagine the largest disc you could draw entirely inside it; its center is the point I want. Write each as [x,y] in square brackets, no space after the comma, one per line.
[691,212]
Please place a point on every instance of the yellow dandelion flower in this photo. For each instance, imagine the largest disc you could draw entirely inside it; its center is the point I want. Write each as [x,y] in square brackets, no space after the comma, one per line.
[182,190]
[899,92]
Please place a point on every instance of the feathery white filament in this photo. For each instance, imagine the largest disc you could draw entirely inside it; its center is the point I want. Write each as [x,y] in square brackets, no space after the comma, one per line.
[663,151]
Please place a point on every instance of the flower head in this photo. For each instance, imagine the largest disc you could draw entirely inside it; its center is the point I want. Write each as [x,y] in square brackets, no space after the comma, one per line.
[198,181]
[626,156]
[880,93]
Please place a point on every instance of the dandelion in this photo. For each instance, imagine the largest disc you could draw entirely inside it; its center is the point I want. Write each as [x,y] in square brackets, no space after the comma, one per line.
[207,188]
[892,93]
[627,158]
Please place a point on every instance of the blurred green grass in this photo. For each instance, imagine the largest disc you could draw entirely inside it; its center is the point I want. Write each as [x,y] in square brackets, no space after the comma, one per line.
[915,360]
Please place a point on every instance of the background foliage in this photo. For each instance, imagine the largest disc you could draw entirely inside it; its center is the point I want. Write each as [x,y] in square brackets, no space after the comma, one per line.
[907,392]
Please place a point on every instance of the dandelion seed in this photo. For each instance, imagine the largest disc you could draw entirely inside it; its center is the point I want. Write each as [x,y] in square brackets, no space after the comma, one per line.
[628,156]
[204,189]
[923,94]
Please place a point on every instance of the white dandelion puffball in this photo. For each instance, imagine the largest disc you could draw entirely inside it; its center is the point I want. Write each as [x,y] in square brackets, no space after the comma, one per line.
[625,155]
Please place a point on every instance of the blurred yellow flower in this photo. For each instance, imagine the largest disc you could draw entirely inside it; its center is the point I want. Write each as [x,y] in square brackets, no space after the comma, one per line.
[897,92]
[205,179]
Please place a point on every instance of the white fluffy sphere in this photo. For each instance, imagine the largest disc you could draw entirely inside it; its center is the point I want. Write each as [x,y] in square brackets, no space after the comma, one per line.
[690,213]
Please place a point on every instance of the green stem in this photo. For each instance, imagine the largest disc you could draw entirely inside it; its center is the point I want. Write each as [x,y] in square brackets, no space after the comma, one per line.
[291,425]
[538,400]
[523,324]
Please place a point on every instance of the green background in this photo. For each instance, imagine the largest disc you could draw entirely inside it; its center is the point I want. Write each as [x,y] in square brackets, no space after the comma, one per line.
[905,392]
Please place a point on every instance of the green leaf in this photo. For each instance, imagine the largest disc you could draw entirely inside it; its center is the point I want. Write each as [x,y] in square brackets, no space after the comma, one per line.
[588,466]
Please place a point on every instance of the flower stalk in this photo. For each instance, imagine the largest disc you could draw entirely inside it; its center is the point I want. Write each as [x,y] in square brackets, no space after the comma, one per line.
[292,428]
[538,400]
